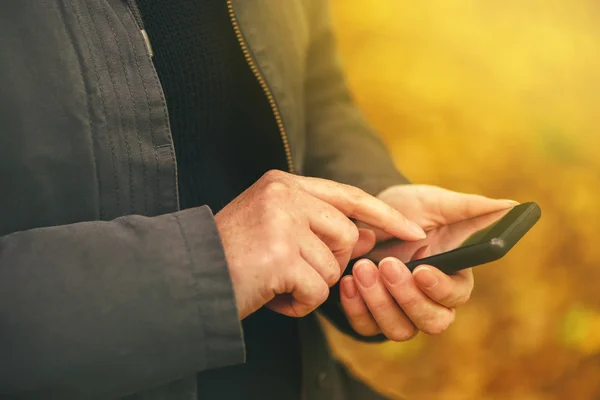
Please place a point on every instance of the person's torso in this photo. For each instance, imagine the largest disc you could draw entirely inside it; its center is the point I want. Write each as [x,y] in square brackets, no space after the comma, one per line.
[86,131]
[225,138]
[85,127]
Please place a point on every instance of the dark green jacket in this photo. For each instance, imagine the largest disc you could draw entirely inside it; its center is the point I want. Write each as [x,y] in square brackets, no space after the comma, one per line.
[107,289]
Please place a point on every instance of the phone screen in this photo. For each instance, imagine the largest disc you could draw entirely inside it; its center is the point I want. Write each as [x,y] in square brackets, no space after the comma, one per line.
[439,240]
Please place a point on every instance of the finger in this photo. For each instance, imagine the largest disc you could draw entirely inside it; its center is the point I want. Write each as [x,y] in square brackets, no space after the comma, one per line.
[357,204]
[385,311]
[307,292]
[422,252]
[338,232]
[356,310]
[427,315]
[453,206]
[448,290]
[380,236]
[400,249]
[453,235]
[366,242]
[333,228]
[318,255]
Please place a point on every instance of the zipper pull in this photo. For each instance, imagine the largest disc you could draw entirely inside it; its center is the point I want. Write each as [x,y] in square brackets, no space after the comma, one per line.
[147,41]
[137,17]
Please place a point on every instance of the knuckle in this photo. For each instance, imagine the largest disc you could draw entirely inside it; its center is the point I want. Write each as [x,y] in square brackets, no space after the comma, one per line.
[321,295]
[438,325]
[353,310]
[434,327]
[468,294]
[462,300]
[381,307]
[366,328]
[408,301]
[355,194]
[302,310]
[443,294]
[452,299]
[332,276]
[275,189]
[279,251]
[328,267]
[351,196]
[349,236]
[355,315]
[402,333]
[273,175]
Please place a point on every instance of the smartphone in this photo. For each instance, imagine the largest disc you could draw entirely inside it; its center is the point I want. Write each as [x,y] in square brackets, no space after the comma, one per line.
[464,244]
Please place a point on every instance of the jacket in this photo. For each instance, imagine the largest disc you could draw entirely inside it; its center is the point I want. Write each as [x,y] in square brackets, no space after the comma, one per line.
[107,288]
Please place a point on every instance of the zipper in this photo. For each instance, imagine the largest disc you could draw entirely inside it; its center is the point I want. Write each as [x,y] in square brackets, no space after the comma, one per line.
[263,84]
[137,16]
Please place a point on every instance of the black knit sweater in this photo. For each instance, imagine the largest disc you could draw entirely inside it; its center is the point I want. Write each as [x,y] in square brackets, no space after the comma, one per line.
[225,138]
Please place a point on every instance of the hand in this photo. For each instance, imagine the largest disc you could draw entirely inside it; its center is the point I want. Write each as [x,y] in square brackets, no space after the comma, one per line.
[438,241]
[288,238]
[391,300]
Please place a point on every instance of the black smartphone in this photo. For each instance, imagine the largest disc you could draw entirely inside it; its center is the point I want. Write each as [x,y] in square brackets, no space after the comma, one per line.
[463,244]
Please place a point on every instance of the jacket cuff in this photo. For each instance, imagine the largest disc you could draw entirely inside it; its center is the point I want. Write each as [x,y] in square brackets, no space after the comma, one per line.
[221,333]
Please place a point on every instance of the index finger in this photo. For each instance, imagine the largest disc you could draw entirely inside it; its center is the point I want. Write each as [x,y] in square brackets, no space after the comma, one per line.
[355,203]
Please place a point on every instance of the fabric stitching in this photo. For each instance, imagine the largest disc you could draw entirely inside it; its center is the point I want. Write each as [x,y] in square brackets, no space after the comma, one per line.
[171,148]
[118,97]
[105,109]
[150,115]
[89,105]
[167,125]
[135,116]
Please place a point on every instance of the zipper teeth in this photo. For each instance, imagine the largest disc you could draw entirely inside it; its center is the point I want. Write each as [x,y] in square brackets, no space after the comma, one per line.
[263,84]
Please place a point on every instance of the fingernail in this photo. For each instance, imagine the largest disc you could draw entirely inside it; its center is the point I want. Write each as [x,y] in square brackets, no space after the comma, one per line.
[416,229]
[349,288]
[513,202]
[390,270]
[365,273]
[426,277]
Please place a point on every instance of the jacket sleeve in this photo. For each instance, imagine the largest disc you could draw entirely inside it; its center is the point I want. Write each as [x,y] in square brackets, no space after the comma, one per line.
[340,144]
[104,309]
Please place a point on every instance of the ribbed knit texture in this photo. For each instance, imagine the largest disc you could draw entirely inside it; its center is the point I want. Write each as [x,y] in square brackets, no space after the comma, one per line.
[225,138]
[224,131]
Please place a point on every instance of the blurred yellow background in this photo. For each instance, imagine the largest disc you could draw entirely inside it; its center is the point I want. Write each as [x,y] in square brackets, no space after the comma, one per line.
[499,98]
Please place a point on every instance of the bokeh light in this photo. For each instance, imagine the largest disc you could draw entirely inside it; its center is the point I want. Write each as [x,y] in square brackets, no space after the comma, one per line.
[503,99]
